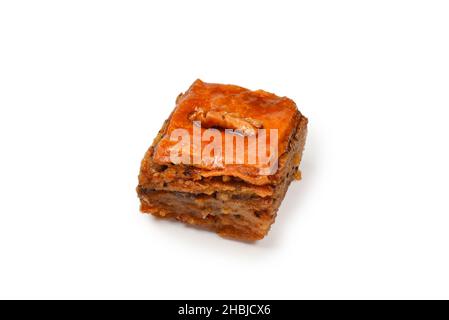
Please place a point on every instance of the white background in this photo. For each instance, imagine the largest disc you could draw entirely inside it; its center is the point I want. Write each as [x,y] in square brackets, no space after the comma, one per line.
[86,85]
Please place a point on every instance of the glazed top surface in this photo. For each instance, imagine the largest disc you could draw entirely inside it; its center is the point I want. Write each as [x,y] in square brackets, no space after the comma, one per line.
[223,107]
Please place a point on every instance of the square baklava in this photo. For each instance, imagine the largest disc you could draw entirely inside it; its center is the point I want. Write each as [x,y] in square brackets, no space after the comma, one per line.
[224,160]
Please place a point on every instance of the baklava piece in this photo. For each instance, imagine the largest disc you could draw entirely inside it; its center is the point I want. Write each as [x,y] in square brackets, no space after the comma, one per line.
[235,191]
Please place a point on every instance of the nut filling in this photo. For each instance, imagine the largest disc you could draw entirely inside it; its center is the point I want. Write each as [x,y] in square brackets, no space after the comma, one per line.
[225,120]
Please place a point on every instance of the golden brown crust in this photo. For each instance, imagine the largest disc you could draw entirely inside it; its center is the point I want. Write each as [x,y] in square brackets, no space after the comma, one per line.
[231,107]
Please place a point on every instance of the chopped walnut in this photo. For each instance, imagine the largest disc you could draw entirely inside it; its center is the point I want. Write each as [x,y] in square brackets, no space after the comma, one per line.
[297,159]
[226,120]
